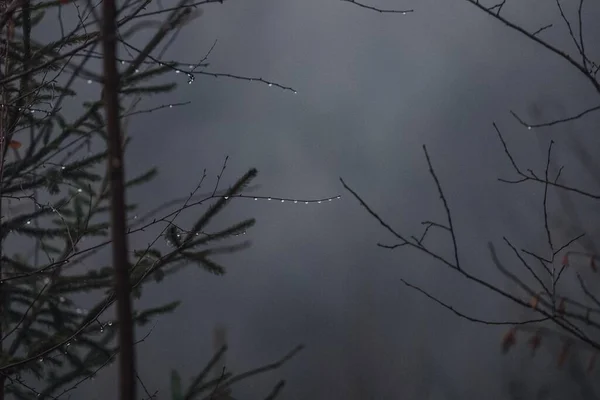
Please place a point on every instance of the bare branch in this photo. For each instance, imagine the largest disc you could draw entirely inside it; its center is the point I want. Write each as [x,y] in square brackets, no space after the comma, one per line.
[556,121]
[379,10]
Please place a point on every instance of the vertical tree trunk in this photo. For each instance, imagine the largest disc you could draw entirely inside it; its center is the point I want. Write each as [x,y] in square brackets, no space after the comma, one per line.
[3,148]
[127,387]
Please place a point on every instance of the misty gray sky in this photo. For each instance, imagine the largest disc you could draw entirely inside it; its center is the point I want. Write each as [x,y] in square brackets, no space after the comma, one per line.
[372,89]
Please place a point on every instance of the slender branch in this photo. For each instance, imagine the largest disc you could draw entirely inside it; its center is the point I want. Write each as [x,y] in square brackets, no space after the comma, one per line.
[379,10]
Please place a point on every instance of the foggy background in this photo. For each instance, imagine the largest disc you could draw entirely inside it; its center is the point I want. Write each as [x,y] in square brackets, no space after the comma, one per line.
[372,89]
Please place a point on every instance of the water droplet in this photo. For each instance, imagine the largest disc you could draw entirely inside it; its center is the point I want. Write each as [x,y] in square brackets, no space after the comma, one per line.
[46,281]
[137,70]
[79,190]
[306,202]
[63,167]
[79,311]
[295,201]
[122,62]
[177,71]
[270,84]
[61,299]
[29,222]
[191,67]
[109,323]
[170,105]
[329,200]
[295,92]
[282,200]
[89,81]
[319,201]
[269,198]
[226,197]
[256,198]
[528,127]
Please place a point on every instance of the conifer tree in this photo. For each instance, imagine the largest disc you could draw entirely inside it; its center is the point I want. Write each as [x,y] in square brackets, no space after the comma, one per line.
[55,192]
[220,386]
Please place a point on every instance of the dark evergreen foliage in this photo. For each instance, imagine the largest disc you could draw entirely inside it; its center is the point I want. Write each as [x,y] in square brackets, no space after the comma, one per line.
[54,193]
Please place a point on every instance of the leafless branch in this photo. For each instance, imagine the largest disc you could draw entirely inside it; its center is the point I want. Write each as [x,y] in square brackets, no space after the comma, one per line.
[379,10]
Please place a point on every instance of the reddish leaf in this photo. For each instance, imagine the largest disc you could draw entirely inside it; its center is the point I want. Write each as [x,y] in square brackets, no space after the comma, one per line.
[509,340]
[14,144]
[592,363]
[534,301]
[561,306]
[562,357]
[534,342]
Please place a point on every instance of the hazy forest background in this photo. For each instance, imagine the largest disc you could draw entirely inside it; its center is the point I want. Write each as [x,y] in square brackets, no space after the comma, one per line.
[349,91]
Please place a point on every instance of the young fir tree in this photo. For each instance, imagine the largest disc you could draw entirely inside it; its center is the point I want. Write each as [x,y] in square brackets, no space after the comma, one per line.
[220,386]
[54,195]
